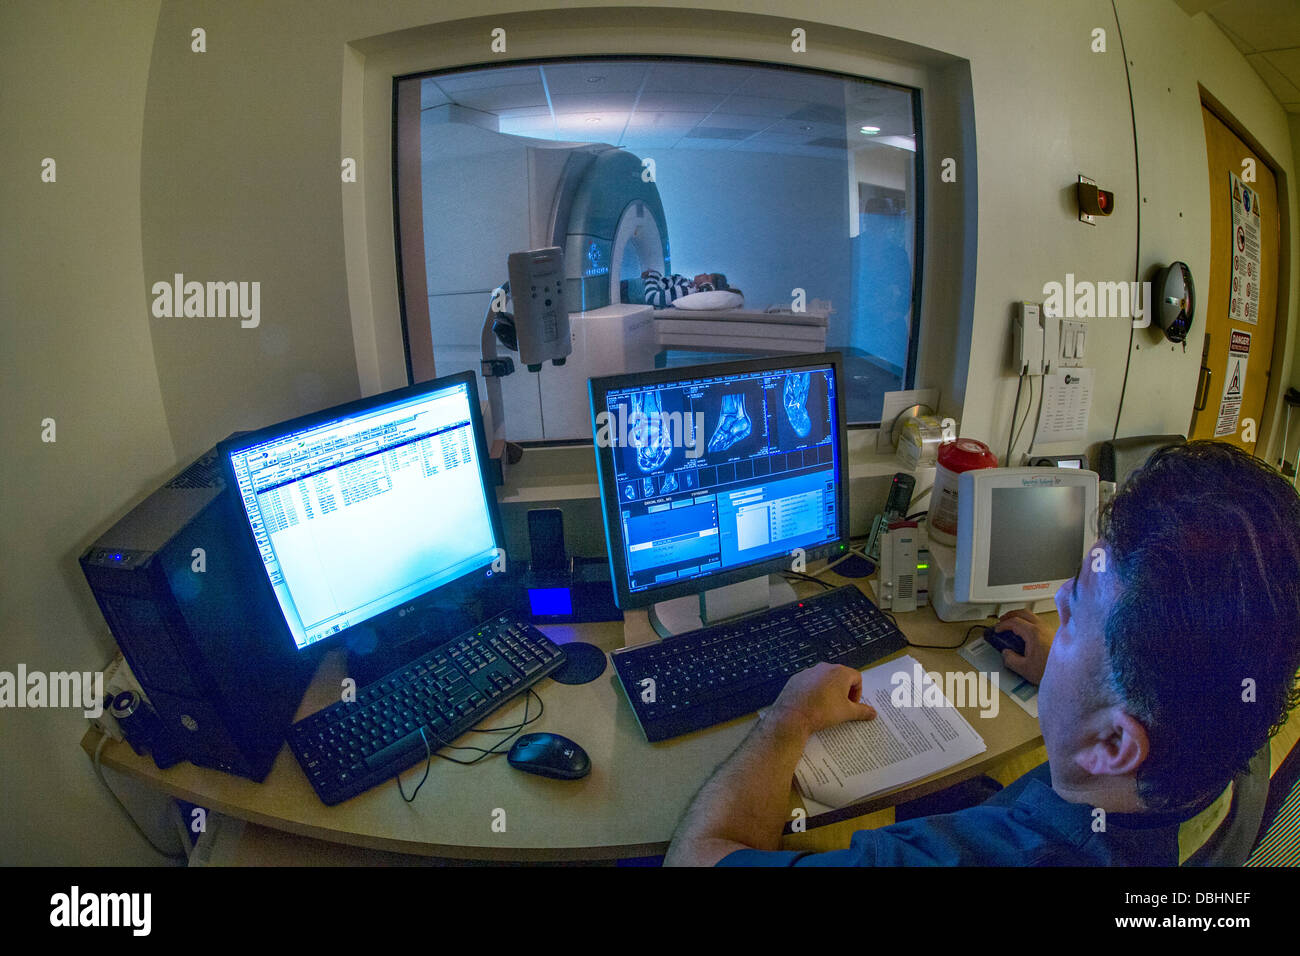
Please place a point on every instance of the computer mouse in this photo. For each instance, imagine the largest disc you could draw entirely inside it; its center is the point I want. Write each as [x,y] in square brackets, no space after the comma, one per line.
[1005,640]
[549,755]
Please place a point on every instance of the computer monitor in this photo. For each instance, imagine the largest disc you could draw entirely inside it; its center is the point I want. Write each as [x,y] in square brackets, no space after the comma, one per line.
[1021,533]
[711,475]
[364,515]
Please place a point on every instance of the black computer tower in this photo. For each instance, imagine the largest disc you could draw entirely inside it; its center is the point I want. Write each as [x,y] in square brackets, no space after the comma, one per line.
[184,593]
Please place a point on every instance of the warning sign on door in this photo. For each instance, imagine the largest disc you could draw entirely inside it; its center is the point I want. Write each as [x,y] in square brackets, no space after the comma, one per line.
[1243,299]
[1234,383]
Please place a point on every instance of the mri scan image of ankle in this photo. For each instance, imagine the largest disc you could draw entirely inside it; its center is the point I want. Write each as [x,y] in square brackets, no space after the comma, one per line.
[734,424]
[652,439]
[796,403]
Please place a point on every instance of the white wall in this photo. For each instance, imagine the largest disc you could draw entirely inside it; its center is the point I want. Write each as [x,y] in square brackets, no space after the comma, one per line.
[74,347]
[225,165]
[768,222]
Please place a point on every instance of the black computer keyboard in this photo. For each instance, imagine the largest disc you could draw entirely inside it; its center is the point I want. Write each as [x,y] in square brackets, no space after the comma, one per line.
[717,673]
[349,747]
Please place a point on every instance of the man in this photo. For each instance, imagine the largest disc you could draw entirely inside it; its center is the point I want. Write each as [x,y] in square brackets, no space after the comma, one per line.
[1174,662]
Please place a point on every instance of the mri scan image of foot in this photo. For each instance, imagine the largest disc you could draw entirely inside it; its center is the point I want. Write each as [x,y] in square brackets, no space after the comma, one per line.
[649,432]
[734,424]
[796,403]
[670,484]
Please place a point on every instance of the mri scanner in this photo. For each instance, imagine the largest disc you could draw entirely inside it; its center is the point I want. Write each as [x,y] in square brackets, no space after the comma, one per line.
[598,204]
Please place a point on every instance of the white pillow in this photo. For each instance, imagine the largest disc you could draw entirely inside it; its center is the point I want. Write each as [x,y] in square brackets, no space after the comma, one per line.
[720,299]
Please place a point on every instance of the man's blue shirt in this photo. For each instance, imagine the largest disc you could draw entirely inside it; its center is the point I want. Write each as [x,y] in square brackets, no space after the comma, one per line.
[1025,824]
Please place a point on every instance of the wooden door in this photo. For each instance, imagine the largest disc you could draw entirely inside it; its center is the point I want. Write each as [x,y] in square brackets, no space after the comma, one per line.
[1228,155]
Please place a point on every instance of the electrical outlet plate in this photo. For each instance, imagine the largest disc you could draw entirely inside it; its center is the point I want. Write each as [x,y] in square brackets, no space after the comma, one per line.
[1083,216]
[1071,331]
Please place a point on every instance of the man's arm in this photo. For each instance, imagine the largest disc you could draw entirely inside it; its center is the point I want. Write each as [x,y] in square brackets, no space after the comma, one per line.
[743,805]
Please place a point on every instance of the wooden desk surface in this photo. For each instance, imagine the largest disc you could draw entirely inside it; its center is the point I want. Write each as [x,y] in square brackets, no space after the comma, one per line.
[627,806]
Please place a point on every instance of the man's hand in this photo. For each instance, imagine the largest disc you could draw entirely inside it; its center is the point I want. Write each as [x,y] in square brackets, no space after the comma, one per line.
[1038,642]
[821,696]
[743,805]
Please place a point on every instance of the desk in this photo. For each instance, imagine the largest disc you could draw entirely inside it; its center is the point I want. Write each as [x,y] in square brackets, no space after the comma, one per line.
[627,807]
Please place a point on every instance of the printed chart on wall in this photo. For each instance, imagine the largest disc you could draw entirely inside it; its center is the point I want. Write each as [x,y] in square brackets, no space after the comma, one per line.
[1234,383]
[1243,304]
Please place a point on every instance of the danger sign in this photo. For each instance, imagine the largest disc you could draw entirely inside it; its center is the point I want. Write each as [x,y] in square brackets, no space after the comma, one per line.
[1234,383]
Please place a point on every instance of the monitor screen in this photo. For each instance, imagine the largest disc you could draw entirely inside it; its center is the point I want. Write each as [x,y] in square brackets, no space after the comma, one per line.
[1036,534]
[1021,531]
[362,508]
[715,471]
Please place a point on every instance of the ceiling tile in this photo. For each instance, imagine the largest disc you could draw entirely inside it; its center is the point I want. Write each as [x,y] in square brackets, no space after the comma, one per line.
[612,77]
[648,120]
[478,79]
[1286,62]
[1282,88]
[577,125]
[1237,41]
[1263,24]
[1193,7]
[694,102]
[739,120]
[771,107]
[431,95]
[810,88]
[693,77]
[501,97]
[592,102]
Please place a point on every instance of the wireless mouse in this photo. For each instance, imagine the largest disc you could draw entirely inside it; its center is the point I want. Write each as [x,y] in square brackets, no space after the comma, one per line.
[1005,640]
[549,755]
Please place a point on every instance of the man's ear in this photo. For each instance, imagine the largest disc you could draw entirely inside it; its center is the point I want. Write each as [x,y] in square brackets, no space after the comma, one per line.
[1119,747]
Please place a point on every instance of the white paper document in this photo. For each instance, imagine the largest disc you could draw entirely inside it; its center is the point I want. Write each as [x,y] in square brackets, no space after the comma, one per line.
[903,743]
[988,659]
[1066,404]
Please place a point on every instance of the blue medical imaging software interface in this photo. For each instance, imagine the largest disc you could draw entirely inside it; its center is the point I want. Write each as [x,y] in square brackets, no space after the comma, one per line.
[719,472]
[358,514]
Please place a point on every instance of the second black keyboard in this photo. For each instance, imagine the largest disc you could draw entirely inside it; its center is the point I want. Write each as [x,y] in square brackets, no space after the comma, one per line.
[351,746]
[731,669]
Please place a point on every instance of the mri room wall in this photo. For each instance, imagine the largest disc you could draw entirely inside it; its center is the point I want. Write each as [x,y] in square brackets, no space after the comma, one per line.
[225,165]
[768,222]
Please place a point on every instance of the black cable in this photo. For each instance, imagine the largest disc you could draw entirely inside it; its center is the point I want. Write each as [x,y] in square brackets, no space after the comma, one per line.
[1137,203]
[948,647]
[495,748]
[483,753]
[1029,407]
[524,723]
[1038,416]
[428,760]
[1015,410]
[808,577]
[919,514]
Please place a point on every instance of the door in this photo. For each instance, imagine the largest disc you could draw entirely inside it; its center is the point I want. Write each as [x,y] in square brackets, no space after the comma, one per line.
[1235,367]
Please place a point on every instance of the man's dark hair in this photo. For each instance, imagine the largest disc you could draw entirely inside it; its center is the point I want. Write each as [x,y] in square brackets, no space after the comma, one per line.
[1206,542]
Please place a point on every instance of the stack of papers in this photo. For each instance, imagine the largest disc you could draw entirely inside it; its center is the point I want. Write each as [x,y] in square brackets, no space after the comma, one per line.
[916,732]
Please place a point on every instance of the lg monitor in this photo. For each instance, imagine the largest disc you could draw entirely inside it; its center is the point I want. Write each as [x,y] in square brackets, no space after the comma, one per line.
[716,475]
[364,516]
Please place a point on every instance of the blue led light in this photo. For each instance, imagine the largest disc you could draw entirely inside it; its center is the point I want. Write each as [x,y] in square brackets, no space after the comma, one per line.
[550,602]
